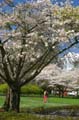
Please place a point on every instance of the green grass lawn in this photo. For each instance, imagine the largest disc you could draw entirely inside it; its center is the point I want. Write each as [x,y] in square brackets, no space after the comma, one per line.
[35,102]
[31,102]
[52,101]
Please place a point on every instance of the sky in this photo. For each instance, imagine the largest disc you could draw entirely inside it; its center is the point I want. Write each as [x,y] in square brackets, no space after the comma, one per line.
[75,2]
[8,9]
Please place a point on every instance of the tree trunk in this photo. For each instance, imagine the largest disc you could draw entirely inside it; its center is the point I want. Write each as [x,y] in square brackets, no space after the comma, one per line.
[6,104]
[15,99]
[62,93]
[12,102]
[59,92]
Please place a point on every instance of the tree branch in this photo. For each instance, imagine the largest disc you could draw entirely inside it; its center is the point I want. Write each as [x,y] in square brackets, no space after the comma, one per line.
[3,42]
[5,68]
[34,65]
[10,66]
[41,68]
[2,76]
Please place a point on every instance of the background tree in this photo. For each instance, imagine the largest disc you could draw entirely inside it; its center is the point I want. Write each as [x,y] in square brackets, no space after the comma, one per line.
[30,39]
[58,79]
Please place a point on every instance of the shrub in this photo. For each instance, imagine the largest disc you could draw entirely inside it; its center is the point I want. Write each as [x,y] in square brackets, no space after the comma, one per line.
[26,89]
[31,89]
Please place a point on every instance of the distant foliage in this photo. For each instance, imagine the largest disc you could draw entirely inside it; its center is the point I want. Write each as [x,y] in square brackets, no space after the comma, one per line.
[27,89]
[31,89]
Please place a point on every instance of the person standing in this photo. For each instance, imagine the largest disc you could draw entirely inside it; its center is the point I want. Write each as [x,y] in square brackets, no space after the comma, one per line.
[45,96]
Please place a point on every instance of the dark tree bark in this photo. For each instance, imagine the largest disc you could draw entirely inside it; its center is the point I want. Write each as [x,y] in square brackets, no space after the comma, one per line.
[12,100]
[59,92]
[15,99]
[6,104]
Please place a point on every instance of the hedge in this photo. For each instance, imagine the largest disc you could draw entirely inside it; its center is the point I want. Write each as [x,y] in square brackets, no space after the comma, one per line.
[26,89]
[31,89]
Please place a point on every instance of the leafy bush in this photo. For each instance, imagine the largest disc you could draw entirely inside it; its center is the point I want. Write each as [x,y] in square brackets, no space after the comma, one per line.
[3,88]
[27,89]
[31,89]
